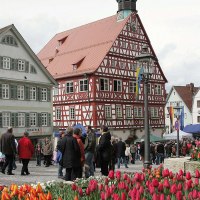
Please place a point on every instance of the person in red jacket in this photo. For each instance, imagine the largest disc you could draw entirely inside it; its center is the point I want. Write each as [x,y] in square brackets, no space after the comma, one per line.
[25,151]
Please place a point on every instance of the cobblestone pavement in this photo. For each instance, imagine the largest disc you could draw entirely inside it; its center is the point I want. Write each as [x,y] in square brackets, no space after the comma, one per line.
[44,174]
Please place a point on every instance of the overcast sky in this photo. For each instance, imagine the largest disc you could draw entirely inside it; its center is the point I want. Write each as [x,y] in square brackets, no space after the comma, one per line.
[173,27]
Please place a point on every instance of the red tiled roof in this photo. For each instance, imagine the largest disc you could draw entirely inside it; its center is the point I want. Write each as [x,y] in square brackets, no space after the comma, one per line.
[91,42]
[186,93]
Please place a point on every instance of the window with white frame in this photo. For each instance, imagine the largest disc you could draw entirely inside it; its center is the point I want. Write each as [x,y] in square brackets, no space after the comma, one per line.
[118,111]
[154,112]
[6,63]
[113,63]
[128,112]
[108,113]
[58,113]
[5,91]
[44,94]
[157,89]
[83,85]
[132,86]
[20,92]
[117,85]
[70,87]
[198,103]
[55,91]
[44,119]
[33,119]
[198,119]
[104,84]
[6,119]
[72,113]
[21,119]
[138,112]
[33,93]
[21,65]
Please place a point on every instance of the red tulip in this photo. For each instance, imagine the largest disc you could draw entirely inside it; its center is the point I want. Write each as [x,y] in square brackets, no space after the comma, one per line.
[151,189]
[80,191]
[197,173]
[87,191]
[155,183]
[162,197]
[166,183]
[168,197]
[181,173]
[160,187]
[123,196]
[73,186]
[196,181]
[165,173]
[111,174]
[118,175]
[100,186]
[188,184]
[192,156]
[137,177]
[188,176]
[155,197]
[194,194]
[106,181]
[179,186]
[173,189]
[103,196]
[171,175]
[179,195]
[115,196]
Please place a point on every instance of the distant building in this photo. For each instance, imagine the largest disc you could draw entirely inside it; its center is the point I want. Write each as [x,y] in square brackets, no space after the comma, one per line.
[196,108]
[179,106]
[25,87]
[95,67]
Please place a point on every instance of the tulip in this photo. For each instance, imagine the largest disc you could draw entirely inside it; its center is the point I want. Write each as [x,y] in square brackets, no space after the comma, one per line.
[188,176]
[197,173]
[103,196]
[155,183]
[166,183]
[125,176]
[160,187]
[173,189]
[73,186]
[181,173]
[115,196]
[118,175]
[106,181]
[80,191]
[49,196]
[111,174]
[194,194]
[179,195]
[76,197]
[123,196]
[165,173]
[137,177]
[179,186]
[196,181]
[101,187]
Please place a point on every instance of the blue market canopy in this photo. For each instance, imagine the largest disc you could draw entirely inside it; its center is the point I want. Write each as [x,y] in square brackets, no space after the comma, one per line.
[82,128]
[192,128]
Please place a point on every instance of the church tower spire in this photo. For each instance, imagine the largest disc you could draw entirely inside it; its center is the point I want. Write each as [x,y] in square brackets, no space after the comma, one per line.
[125,7]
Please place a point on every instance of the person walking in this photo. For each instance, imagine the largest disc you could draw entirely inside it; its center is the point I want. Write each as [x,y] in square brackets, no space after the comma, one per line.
[71,156]
[25,151]
[90,146]
[47,152]
[121,147]
[38,154]
[133,150]
[8,148]
[79,170]
[105,149]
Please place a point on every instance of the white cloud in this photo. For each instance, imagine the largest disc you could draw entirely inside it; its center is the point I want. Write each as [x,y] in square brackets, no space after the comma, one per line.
[172,26]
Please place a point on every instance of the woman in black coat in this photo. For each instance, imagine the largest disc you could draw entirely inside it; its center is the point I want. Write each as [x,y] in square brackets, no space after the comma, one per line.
[71,156]
[105,150]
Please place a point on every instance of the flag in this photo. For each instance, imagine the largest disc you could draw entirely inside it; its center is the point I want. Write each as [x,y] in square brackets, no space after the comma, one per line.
[139,72]
[182,118]
[171,115]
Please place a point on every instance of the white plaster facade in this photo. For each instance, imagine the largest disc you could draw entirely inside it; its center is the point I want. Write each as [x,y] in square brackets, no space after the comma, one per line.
[176,101]
[25,88]
[196,108]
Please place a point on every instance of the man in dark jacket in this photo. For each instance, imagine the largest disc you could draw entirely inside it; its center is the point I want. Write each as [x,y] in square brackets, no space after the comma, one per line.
[90,146]
[121,147]
[105,150]
[8,148]
[71,156]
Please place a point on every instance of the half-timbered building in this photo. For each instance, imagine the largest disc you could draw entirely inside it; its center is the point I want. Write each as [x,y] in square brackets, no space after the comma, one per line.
[95,67]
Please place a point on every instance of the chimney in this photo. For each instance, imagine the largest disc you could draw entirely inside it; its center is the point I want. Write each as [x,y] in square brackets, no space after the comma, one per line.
[191,86]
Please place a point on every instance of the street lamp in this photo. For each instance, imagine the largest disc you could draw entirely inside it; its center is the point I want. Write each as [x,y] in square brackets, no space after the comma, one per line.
[146,62]
[88,94]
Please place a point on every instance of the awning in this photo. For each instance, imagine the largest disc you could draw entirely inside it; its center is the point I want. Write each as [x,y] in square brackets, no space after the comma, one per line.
[153,138]
[192,128]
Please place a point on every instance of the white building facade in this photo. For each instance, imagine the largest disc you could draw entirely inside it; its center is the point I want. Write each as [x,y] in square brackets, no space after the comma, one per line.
[25,88]
[196,108]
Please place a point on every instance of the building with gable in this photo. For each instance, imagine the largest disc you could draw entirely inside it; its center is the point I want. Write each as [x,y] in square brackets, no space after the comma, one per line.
[95,68]
[196,108]
[179,105]
[25,87]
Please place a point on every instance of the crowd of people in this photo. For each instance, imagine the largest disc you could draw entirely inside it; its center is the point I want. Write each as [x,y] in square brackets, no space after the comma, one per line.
[77,155]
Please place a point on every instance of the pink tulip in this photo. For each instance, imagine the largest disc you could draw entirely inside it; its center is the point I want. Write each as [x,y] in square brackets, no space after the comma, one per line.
[101,187]
[181,173]
[141,190]
[106,181]
[179,186]
[115,196]
[166,183]
[111,174]
[80,191]
[188,176]
[162,197]
[194,194]
[165,173]
[171,175]
[160,187]
[74,187]
[125,176]
[123,196]
[196,181]
[173,189]
[168,197]
[137,177]
[155,183]
[103,196]
[155,197]
[179,195]
[197,173]
[151,190]
[118,175]
[87,191]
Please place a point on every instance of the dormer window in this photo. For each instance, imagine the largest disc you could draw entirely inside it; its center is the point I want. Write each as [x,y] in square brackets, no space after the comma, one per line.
[21,65]
[74,67]
[9,40]
[61,41]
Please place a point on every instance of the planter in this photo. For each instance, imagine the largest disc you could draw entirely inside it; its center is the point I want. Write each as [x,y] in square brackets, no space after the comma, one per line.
[191,166]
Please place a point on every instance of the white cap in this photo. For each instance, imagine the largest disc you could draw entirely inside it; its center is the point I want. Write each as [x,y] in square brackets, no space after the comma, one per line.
[10,127]
[142,140]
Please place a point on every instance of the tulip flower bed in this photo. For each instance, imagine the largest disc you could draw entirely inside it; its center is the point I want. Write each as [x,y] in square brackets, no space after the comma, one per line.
[151,184]
[195,153]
